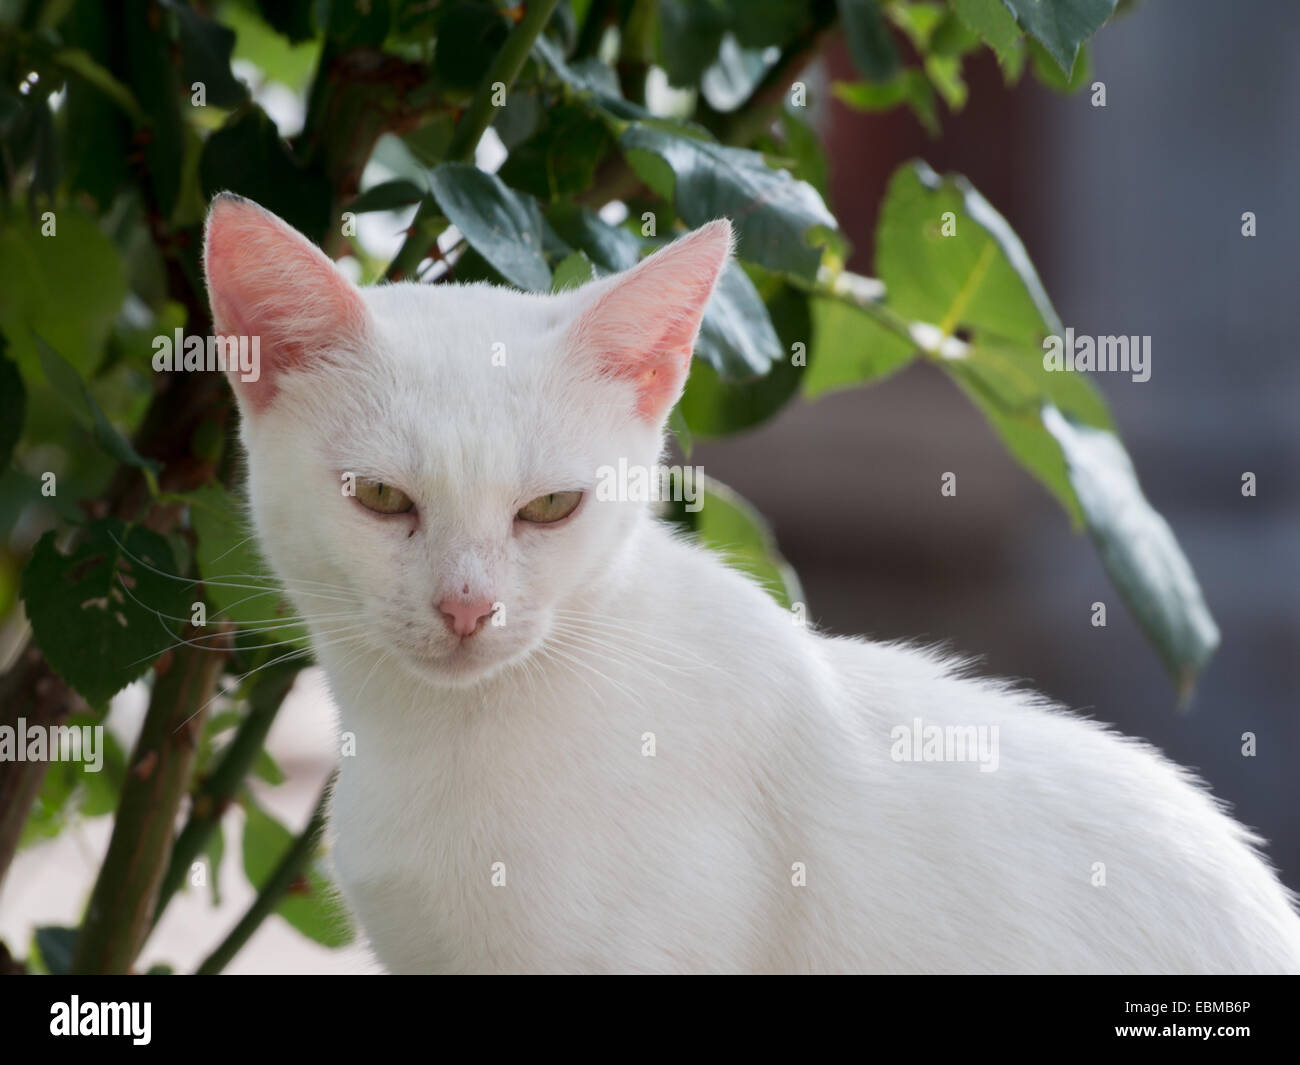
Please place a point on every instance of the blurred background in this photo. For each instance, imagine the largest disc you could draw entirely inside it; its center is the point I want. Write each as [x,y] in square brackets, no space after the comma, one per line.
[1132,215]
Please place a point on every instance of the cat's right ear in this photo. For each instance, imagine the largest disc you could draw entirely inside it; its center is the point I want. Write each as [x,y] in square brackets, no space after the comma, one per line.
[266,280]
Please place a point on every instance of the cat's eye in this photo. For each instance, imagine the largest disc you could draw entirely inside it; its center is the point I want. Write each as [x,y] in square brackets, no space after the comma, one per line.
[382,498]
[552,507]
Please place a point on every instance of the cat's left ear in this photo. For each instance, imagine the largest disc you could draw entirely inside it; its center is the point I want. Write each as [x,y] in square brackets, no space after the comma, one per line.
[266,280]
[641,325]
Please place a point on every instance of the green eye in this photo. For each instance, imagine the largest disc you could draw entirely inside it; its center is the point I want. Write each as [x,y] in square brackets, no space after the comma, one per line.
[550,508]
[382,498]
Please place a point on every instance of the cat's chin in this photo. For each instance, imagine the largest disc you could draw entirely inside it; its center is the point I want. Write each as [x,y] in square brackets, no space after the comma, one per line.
[462,667]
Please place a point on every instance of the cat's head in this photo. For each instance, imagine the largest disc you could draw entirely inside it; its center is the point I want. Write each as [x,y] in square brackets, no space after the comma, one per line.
[423,458]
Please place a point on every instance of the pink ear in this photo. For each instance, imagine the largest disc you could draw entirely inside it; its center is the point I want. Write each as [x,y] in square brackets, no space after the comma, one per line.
[266,280]
[641,325]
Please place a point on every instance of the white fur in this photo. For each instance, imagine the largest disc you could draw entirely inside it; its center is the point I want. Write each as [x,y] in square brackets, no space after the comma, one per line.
[772,742]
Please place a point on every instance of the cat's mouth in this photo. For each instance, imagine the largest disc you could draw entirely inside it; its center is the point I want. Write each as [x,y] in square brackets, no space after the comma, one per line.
[466,660]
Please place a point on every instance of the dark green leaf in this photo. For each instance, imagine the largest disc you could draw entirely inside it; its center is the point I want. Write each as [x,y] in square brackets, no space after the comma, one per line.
[775,216]
[736,336]
[690,34]
[102,613]
[72,390]
[390,196]
[712,406]
[504,226]
[611,248]
[206,47]
[1139,549]
[732,78]
[868,38]
[56,946]
[1061,25]
[247,156]
[469,37]
[13,405]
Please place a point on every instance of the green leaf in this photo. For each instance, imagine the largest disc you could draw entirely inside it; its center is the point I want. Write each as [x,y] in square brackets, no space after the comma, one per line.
[690,34]
[55,946]
[68,288]
[560,159]
[1139,549]
[469,37]
[736,336]
[13,406]
[979,278]
[1047,72]
[993,21]
[775,215]
[247,156]
[909,86]
[502,225]
[728,524]
[103,613]
[713,405]
[732,78]
[611,248]
[206,48]
[70,388]
[1061,25]
[389,196]
[81,65]
[315,911]
[238,582]
[980,281]
[849,348]
[574,271]
[868,38]
[266,769]
[759,23]
[257,41]
[213,852]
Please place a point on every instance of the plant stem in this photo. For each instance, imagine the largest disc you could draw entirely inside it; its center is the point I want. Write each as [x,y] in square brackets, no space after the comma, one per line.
[289,869]
[120,913]
[473,123]
[213,795]
[30,691]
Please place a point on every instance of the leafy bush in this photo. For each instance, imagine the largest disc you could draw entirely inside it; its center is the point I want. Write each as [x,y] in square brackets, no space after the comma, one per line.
[123,550]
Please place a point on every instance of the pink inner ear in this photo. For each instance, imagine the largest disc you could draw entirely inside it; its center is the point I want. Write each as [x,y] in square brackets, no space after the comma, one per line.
[265,279]
[643,326]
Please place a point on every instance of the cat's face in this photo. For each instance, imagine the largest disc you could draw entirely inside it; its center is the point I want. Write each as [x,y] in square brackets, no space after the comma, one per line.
[423,458]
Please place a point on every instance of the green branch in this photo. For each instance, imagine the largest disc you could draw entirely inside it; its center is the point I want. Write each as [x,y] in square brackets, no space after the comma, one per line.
[473,124]
[120,912]
[215,792]
[277,886]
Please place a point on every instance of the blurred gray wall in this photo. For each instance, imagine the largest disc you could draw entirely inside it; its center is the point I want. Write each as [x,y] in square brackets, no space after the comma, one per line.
[1132,215]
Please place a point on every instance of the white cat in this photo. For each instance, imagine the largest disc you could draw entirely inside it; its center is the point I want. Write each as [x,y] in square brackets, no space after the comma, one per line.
[585,745]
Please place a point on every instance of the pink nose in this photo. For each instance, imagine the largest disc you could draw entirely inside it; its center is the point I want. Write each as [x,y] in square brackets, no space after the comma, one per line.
[464,617]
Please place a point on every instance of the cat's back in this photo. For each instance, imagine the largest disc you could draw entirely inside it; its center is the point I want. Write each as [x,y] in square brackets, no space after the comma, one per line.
[1034,840]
